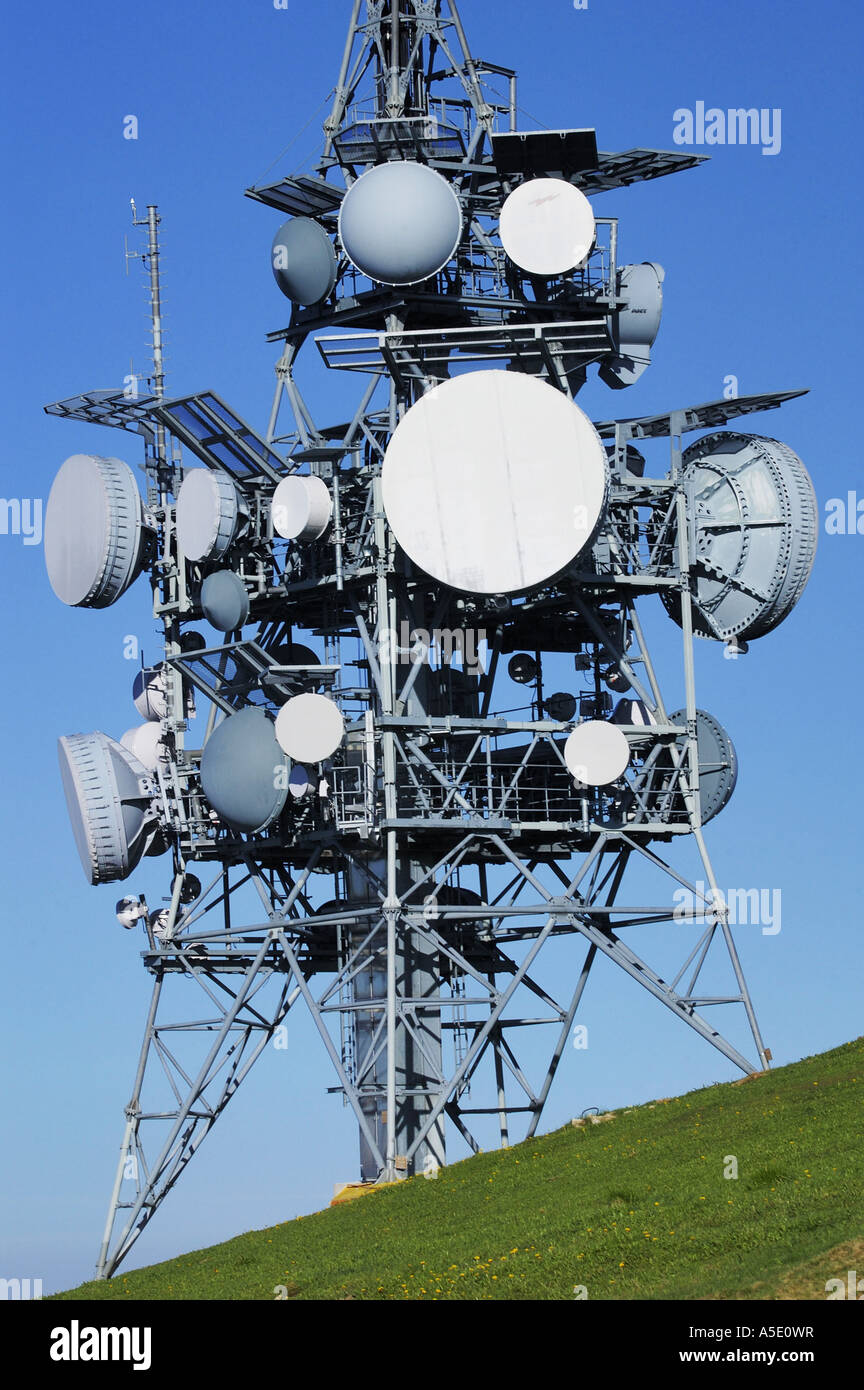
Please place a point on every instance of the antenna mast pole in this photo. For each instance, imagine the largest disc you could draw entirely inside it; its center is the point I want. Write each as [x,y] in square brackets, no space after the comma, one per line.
[150,257]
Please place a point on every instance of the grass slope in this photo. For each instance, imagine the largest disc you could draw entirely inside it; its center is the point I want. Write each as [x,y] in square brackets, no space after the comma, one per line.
[634,1208]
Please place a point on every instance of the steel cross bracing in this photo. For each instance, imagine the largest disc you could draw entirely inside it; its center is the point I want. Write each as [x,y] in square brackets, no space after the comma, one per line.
[414,907]
[237,969]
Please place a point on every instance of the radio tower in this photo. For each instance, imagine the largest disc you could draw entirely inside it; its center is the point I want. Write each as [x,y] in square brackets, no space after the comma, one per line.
[377,756]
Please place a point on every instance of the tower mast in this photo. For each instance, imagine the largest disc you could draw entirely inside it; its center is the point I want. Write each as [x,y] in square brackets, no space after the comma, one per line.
[437,880]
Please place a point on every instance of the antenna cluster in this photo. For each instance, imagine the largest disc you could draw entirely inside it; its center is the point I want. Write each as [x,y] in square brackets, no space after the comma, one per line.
[365,614]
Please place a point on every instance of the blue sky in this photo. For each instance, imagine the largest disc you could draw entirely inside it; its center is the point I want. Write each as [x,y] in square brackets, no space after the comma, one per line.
[761,254]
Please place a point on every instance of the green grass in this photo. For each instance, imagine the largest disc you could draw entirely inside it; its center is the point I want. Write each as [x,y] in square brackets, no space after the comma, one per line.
[634,1208]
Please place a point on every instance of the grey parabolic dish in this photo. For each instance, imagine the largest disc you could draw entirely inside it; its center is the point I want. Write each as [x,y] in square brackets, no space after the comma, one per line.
[642,287]
[224,600]
[757,530]
[400,223]
[93,531]
[718,766]
[244,772]
[304,262]
[109,805]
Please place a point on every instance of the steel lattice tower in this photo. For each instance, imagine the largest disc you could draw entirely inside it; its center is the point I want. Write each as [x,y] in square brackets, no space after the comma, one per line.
[408,896]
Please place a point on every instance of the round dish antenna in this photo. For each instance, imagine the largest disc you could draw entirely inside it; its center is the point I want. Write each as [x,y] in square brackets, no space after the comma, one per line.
[149,693]
[108,796]
[547,227]
[145,743]
[225,600]
[304,262]
[494,482]
[718,770]
[209,513]
[634,328]
[300,784]
[562,706]
[310,728]
[597,753]
[94,531]
[400,223]
[756,524]
[301,508]
[243,772]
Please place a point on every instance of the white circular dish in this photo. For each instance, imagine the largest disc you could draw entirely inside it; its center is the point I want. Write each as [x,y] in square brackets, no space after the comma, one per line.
[547,227]
[208,515]
[150,693]
[597,753]
[494,482]
[400,223]
[310,728]
[301,508]
[93,532]
[145,744]
[109,804]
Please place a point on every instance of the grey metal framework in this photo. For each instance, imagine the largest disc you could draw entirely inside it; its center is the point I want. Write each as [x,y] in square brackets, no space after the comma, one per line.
[452,847]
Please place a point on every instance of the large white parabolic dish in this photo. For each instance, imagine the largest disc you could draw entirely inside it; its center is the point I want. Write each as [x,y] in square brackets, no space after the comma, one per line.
[547,227]
[93,531]
[494,482]
[400,223]
[108,799]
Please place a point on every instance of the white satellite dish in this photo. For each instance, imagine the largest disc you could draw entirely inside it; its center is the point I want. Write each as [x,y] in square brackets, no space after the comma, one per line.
[94,531]
[310,728]
[547,227]
[145,743]
[209,513]
[150,694]
[108,797]
[301,508]
[494,482]
[400,223]
[597,753]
